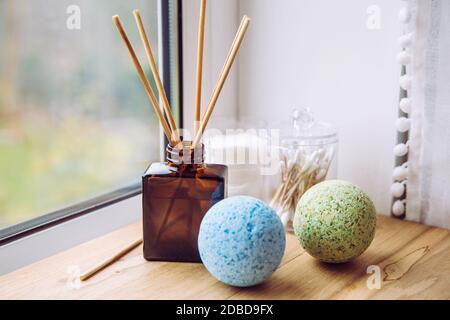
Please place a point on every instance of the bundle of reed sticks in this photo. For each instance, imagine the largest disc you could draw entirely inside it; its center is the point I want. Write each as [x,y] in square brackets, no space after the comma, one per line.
[169,126]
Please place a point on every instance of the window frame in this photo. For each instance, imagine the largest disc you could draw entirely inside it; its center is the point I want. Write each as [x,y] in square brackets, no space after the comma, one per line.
[170,53]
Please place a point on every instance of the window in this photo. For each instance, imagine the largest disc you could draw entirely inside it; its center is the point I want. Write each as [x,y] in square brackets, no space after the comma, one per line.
[74,119]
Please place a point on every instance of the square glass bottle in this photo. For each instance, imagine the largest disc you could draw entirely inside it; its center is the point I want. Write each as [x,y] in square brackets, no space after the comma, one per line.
[176,194]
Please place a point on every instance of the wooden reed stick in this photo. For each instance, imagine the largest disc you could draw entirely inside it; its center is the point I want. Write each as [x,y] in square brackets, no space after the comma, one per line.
[201,38]
[144,80]
[154,68]
[223,76]
[102,265]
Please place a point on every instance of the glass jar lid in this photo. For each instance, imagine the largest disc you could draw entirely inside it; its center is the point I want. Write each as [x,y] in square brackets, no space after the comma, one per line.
[304,130]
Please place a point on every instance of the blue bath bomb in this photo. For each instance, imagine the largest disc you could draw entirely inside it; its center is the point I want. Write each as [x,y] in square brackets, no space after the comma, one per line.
[241,241]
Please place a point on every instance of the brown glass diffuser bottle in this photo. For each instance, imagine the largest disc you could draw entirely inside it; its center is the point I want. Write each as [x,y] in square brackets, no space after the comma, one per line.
[176,196]
[178,192]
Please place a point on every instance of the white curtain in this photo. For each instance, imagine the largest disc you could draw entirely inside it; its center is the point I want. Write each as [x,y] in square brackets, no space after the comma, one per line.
[428,184]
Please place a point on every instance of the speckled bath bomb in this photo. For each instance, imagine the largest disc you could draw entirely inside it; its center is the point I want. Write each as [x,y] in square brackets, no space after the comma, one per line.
[335,221]
[241,241]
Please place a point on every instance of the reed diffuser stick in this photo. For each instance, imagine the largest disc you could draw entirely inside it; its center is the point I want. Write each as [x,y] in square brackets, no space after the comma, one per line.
[154,68]
[223,76]
[102,265]
[144,80]
[201,38]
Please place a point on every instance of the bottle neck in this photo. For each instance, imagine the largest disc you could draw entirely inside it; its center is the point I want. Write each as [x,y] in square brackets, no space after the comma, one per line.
[184,155]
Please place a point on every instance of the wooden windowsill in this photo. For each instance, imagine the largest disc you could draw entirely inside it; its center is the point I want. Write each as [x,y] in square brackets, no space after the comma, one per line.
[414,261]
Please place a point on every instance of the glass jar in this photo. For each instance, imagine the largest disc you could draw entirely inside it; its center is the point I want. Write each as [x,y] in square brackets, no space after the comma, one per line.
[240,150]
[176,194]
[307,154]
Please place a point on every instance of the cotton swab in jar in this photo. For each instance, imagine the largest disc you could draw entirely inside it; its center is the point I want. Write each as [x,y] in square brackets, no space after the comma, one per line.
[223,76]
[144,80]
[154,69]
[301,169]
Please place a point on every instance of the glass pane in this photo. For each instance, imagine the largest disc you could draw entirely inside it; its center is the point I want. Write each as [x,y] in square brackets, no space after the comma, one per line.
[74,119]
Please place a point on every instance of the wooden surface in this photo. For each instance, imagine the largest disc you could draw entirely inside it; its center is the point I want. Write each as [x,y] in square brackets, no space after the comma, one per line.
[414,261]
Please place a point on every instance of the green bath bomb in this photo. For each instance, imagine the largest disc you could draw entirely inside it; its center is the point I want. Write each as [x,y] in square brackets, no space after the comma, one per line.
[335,221]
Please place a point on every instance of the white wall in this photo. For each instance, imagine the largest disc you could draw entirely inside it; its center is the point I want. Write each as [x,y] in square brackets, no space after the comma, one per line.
[308,53]
[320,54]
[220,26]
